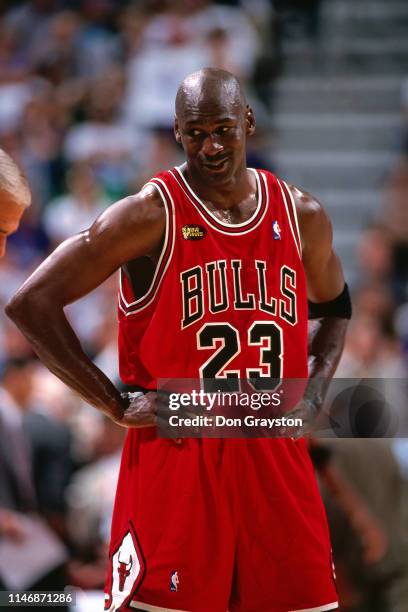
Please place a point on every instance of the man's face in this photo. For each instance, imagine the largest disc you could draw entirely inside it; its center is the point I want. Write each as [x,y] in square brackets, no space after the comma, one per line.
[10,215]
[213,137]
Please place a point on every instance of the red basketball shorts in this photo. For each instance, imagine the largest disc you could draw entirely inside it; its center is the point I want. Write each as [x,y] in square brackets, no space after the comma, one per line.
[214,525]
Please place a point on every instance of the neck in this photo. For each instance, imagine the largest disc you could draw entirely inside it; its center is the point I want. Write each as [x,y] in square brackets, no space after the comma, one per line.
[223,196]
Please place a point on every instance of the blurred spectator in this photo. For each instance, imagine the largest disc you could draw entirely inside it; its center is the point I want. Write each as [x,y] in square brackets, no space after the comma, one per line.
[132,22]
[56,54]
[183,38]
[370,584]
[106,348]
[395,218]
[11,278]
[12,343]
[29,19]
[374,299]
[15,87]
[90,498]
[161,149]
[47,440]
[369,352]
[375,254]
[37,140]
[242,44]
[78,208]
[153,77]
[91,493]
[17,488]
[30,244]
[103,138]
[98,46]
[30,486]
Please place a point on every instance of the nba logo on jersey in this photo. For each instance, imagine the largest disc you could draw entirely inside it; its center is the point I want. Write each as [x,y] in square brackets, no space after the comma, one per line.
[174,581]
[276,230]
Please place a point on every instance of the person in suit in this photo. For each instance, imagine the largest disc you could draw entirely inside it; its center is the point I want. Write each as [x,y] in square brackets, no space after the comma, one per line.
[32,451]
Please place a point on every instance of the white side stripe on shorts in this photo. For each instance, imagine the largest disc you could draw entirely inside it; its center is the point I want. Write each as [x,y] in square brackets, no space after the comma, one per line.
[143,606]
[149,608]
[326,608]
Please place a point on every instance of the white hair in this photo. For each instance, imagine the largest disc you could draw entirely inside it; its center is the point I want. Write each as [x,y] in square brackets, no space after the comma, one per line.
[13,181]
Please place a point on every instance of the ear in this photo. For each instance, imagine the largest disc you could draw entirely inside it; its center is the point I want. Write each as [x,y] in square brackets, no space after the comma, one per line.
[250,120]
[177,134]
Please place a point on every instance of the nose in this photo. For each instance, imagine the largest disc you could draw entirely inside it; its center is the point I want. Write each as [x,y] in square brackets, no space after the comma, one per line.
[211,147]
[3,240]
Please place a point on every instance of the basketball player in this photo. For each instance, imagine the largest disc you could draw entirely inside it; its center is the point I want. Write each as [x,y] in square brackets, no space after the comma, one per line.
[216,262]
[15,196]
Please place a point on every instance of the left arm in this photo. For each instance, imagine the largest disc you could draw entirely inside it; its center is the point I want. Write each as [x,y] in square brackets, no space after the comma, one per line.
[325,283]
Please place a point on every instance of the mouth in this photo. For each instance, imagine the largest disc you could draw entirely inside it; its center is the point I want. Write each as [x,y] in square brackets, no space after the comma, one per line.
[216,166]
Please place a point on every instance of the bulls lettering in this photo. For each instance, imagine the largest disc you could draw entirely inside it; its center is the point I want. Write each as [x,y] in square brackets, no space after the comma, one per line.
[193,302]
[288,290]
[240,302]
[221,285]
[217,287]
[264,305]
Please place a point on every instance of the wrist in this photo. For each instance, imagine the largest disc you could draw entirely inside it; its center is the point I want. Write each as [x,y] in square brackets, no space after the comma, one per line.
[314,404]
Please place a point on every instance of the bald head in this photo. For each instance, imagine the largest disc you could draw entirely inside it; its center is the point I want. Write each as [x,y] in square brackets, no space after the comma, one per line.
[209,86]
[15,196]
[212,124]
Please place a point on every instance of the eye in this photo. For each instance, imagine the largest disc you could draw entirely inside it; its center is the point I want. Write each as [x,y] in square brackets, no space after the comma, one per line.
[194,133]
[224,130]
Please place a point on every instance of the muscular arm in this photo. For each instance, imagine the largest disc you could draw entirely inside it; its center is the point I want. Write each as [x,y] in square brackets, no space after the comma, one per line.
[325,282]
[128,229]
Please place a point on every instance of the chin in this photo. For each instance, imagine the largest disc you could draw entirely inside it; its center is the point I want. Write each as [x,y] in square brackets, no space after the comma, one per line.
[215,177]
[219,179]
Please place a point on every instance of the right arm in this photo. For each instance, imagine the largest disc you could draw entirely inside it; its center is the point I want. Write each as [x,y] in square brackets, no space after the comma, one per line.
[131,228]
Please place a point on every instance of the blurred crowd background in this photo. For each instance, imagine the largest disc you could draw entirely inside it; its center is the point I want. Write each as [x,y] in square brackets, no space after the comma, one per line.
[86,108]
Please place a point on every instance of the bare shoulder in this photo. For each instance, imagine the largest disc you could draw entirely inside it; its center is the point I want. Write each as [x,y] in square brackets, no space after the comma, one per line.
[135,224]
[325,279]
[314,222]
[146,206]
[147,202]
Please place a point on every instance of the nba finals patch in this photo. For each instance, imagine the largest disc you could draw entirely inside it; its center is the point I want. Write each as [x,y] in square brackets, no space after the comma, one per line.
[276,230]
[193,232]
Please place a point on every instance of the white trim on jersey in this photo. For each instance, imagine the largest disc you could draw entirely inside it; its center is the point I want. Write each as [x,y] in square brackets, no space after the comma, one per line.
[331,606]
[223,223]
[294,214]
[143,606]
[289,219]
[166,238]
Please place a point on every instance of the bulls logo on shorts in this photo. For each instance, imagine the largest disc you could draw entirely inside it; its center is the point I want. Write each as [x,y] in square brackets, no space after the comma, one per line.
[127,572]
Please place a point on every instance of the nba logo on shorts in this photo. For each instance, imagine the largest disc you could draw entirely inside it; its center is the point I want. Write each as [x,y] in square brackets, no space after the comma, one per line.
[174,581]
[276,230]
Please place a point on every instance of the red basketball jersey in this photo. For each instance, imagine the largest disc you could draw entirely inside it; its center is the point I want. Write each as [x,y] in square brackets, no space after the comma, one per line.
[226,300]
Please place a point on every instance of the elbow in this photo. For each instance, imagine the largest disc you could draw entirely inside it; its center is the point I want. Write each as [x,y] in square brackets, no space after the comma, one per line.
[19,307]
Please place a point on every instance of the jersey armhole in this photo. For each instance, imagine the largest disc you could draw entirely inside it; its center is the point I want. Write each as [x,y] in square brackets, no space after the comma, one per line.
[132,307]
[290,207]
